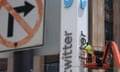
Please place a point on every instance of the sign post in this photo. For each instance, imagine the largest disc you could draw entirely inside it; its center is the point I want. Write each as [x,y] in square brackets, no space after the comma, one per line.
[29,33]
[74,34]
[21,23]
[23,61]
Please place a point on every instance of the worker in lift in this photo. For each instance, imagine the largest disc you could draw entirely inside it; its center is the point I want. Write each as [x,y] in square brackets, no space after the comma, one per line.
[97,53]
[88,48]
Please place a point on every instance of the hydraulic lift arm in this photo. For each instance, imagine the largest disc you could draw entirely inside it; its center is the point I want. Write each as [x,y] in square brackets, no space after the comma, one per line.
[113,46]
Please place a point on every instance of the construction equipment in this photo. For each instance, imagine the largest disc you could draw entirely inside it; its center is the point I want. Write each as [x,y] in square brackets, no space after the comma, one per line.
[102,59]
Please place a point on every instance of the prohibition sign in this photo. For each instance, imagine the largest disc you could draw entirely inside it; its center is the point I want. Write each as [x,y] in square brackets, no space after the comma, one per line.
[30,31]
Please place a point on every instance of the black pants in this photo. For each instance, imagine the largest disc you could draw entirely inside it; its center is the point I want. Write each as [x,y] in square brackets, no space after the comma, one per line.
[89,57]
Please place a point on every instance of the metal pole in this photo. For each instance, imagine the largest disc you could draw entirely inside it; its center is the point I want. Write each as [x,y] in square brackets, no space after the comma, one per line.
[23,61]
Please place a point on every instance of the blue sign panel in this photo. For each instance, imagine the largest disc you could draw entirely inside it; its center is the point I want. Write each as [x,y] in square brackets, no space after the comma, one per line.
[83,4]
[68,3]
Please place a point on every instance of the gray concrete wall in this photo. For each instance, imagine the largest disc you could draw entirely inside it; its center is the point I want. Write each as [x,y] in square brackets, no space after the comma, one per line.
[52,29]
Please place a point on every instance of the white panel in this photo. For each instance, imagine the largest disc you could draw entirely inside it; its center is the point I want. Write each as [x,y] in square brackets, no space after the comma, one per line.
[69,54]
[74,19]
[82,30]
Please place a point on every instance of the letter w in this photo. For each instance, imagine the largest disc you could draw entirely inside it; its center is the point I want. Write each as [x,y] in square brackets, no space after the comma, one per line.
[68,64]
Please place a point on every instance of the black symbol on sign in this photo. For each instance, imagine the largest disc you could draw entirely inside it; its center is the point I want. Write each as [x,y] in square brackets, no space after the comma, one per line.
[22,9]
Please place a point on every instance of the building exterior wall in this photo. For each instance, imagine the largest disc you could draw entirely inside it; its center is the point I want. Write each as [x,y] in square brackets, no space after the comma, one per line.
[116,24]
[96,25]
[96,29]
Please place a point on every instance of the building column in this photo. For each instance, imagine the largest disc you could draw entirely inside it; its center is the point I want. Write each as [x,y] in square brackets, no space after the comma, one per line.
[96,24]
[10,64]
[116,25]
[38,64]
[116,21]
